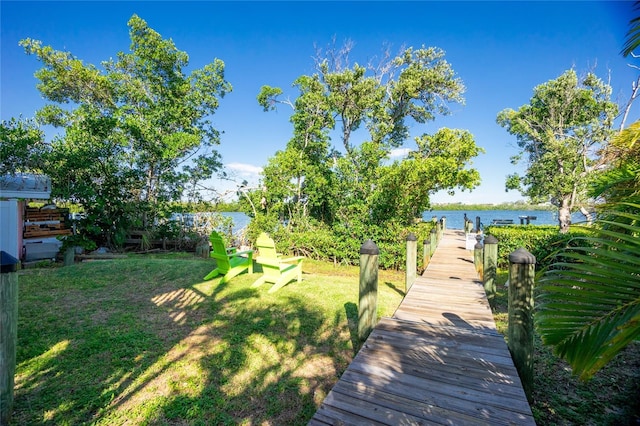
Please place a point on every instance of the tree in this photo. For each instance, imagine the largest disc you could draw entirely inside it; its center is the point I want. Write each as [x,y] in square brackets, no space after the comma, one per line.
[559,133]
[138,129]
[443,158]
[355,190]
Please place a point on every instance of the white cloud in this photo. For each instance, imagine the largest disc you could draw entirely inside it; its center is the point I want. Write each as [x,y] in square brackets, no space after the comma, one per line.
[245,170]
[399,152]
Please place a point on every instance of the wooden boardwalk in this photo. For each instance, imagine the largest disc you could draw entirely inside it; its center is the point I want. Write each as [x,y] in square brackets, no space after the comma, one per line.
[439,360]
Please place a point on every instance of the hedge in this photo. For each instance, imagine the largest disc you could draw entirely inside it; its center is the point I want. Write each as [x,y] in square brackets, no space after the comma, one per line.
[543,241]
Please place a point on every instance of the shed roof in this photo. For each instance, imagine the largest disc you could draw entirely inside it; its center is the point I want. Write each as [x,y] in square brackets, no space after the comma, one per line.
[25,186]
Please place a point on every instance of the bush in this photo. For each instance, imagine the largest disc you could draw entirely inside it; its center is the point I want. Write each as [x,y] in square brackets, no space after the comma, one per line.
[340,244]
[543,241]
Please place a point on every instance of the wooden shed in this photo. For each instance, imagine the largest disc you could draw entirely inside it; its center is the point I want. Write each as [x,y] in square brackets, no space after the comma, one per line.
[15,192]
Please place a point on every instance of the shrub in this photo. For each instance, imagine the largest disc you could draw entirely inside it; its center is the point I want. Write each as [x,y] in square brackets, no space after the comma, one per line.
[341,244]
[543,241]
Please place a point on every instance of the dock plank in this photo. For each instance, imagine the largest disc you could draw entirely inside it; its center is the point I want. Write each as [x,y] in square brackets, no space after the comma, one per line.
[438,360]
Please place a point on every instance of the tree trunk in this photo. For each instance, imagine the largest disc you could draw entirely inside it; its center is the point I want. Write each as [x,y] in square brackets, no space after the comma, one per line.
[588,217]
[564,215]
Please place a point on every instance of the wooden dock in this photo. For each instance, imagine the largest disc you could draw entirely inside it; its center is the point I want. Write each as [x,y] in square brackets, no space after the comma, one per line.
[439,360]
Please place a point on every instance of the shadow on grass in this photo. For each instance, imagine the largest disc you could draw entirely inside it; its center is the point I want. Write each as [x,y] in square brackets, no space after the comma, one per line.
[395,288]
[351,310]
[146,342]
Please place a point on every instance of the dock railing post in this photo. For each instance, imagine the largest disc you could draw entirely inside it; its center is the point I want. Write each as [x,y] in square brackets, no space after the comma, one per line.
[477,255]
[520,329]
[438,232]
[434,240]
[426,253]
[490,267]
[69,256]
[8,332]
[444,223]
[412,261]
[368,304]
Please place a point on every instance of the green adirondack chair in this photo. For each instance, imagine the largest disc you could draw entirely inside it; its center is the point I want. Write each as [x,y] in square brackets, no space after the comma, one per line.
[229,261]
[276,269]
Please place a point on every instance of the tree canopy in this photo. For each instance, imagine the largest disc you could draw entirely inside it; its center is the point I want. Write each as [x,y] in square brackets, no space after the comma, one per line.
[137,129]
[21,147]
[559,134]
[356,188]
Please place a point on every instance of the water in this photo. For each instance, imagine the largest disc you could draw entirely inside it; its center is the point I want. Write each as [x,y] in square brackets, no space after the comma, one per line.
[240,221]
[455,218]
[202,221]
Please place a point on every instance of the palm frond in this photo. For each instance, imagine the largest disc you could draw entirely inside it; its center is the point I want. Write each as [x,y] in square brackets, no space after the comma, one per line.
[588,306]
[633,35]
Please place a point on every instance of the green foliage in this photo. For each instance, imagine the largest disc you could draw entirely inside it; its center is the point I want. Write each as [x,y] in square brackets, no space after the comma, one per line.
[589,303]
[590,296]
[540,240]
[559,133]
[632,40]
[22,147]
[340,244]
[133,126]
[334,201]
[620,182]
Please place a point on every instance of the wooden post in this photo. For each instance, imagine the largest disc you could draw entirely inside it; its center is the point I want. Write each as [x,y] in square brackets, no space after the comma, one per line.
[434,240]
[438,232]
[8,332]
[444,223]
[477,223]
[490,267]
[426,253]
[468,226]
[477,255]
[70,256]
[412,262]
[368,306]
[520,329]
[202,250]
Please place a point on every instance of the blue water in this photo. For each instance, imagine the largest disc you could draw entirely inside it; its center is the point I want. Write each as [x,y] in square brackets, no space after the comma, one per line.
[455,218]
[240,221]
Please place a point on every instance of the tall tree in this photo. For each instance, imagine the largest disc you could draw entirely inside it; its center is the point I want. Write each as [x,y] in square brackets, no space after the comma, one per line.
[353,187]
[559,133]
[138,130]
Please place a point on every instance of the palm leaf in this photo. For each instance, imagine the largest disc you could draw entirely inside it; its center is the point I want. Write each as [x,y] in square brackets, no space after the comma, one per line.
[633,35]
[589,302]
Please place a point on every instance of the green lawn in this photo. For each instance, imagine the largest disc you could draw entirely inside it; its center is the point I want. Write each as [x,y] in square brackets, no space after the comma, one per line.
[144,341]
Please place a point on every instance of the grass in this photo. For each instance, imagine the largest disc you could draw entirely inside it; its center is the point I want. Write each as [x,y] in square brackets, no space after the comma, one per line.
[144,341]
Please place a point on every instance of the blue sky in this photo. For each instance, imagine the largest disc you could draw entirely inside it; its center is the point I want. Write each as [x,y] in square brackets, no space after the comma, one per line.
[501,51]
